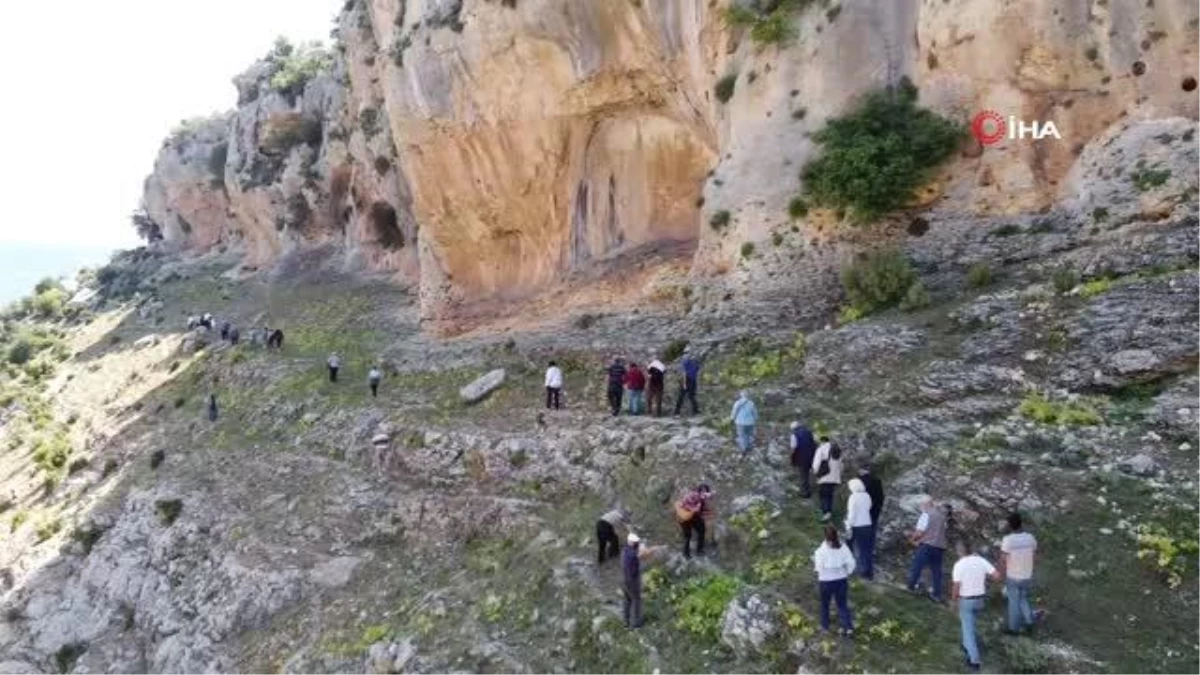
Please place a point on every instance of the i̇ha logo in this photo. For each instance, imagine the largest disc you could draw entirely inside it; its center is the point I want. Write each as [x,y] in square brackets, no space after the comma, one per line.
[989,127]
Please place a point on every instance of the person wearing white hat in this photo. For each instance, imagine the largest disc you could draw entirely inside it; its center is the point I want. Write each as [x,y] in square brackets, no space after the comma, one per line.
[631,567]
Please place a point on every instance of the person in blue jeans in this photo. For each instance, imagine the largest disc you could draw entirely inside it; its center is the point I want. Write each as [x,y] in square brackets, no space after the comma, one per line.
[1017,549]
[689,383]
[860,527]
[930,540]
[834,563]
[744,416]
[969,590]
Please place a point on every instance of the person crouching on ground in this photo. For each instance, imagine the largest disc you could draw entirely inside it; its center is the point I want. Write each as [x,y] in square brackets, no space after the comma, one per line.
[608,528]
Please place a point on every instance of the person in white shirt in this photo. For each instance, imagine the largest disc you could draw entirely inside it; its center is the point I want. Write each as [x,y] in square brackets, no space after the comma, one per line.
[969,589]
[334,362]
[554,383]
[827,467]
[860,528]
[833,563]
[373,378]
[1018,548]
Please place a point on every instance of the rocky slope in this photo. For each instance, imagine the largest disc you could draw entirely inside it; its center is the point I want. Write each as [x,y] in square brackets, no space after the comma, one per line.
[489,152]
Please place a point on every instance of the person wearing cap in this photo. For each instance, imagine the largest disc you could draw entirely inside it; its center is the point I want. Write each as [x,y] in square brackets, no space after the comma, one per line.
[616,384]
[607,533]
[860,529]
[657,373]
[631,569]
[804,447]
[689,381]
[744,416]
[690,512]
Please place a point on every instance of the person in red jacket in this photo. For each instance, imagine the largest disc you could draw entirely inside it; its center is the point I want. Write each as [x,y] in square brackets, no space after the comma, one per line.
[635,382]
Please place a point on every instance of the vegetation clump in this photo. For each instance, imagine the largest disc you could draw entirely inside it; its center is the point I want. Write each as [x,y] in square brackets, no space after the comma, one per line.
[1038,408]
[882,279]
[876,156]
[296,66]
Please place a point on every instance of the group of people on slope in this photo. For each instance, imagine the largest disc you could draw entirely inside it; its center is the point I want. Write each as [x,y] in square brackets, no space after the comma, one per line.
[374,376]
[645,388]
[272,338]
[693,512]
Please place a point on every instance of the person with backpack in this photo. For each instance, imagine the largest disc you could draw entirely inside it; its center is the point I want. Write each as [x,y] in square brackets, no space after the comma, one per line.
[608,528]
[689,382]
[657,373]
[804,448]
[616,384]
[827,466]
[860,527]
[930,539]
[334,362]
[554,385]
[373,377]
[744,416]
[635,382]
[834,563]
[690,513]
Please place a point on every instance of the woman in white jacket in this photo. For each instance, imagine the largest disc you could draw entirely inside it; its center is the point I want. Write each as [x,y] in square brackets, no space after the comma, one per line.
[859,527]
[834,563]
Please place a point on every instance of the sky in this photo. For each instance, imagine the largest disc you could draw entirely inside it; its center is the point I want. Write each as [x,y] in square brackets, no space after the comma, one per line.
[91,89]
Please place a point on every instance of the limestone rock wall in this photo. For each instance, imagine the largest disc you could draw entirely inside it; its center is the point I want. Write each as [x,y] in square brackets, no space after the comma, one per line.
[490,151]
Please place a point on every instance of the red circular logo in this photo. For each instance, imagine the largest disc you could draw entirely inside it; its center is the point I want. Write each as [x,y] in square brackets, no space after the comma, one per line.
[988,127]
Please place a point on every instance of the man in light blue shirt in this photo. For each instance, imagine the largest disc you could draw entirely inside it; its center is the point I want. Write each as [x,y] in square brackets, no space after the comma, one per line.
[744,417]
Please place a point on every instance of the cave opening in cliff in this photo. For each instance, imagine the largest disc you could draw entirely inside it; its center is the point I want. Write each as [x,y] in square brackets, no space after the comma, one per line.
[385,227]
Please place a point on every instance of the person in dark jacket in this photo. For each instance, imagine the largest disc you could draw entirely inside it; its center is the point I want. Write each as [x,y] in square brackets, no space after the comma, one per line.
[224,330]
[631,568]
[654,391]
[616,384]
[234,335]
[635,382]
[689,382]
[607,529]
[212,407]
[874,489]
[804,446]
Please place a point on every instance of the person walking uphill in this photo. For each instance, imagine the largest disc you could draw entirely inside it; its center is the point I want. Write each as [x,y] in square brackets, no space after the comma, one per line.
[690,512]
[1018,547]
[373,377]
[616,384]
[827,465]
[804,448]
[657,373]
[744,416]
[554,384]
[689,383]
[631,570]
[861,528]
[969,577]
[212,407]
[608,527]
[635,382]
[833,563]
[930,538]
[334,362]
[875,489]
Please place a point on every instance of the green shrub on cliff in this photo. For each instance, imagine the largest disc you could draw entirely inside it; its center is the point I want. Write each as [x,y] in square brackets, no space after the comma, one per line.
[880,280]
[878,154]
[298,65]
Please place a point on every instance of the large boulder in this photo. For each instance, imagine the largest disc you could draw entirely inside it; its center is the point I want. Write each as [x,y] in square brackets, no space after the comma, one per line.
[1139,465]
[385,657]
[481,387]
[748,622]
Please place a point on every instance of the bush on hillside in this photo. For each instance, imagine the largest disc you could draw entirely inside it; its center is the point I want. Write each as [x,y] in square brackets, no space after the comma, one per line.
[49,303]
[880,280]
[298,65]
[875,157]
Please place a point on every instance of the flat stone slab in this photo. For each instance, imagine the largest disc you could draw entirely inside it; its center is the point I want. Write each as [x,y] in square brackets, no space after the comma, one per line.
[481,387]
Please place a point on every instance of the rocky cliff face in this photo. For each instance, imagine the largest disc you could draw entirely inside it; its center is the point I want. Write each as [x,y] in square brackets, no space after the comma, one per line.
[495,150]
